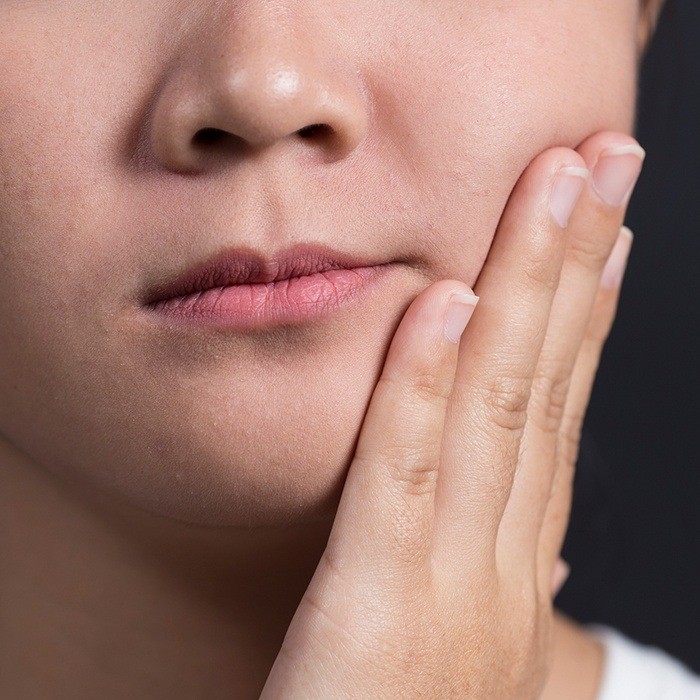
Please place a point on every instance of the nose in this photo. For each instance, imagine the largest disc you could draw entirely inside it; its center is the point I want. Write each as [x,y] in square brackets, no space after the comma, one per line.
[260,80]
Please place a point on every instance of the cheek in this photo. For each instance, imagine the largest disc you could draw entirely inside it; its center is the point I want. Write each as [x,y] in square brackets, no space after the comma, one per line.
[476,107]
[462,107]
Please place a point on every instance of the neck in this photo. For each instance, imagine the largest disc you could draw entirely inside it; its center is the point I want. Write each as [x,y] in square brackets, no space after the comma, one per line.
[577,664]
[101,599]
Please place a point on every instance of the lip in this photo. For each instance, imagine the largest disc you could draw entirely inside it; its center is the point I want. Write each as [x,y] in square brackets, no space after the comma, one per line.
[243,289]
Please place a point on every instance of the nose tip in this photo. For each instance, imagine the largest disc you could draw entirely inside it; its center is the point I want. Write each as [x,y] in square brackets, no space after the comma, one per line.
[214,111]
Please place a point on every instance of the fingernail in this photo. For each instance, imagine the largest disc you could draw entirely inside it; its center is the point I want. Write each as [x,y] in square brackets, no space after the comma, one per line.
[559,575]
[616,173]
[566,190]
[617,262]
[459,310]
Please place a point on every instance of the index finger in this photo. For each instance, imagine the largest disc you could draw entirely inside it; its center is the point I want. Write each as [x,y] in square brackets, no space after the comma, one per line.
[385,513]
[499,354]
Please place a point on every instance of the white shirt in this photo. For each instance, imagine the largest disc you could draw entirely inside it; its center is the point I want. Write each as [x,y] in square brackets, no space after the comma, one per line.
[636,672]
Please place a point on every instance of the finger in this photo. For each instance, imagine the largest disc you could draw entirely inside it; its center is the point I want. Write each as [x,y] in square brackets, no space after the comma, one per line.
[615,173]
[498,356]
[583,376]
[385,513]
[593,230]
[559,576]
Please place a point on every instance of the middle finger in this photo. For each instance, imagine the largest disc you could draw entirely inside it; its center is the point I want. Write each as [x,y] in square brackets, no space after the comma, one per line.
[498,356]
[615,161]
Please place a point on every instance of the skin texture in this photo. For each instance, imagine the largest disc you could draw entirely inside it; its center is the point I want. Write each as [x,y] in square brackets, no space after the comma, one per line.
[435,123]
[438,573]
[119,442]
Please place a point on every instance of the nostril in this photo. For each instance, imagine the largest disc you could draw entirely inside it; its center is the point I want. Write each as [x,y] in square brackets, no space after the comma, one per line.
[208,136]
[312,129]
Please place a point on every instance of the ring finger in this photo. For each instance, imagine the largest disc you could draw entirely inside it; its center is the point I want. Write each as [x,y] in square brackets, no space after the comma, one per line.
[615,161]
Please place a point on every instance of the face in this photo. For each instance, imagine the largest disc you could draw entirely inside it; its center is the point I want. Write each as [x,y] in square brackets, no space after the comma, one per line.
[431,111]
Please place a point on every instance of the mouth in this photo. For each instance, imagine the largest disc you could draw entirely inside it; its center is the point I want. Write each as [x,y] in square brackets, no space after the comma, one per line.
[245,290]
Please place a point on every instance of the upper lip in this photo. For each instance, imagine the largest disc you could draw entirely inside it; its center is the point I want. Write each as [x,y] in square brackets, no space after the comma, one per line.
[246,266]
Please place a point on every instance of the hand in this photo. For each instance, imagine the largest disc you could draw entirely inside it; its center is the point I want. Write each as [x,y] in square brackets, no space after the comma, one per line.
[436,579]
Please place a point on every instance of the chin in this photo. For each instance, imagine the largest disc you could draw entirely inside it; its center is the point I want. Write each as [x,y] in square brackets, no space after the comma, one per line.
[256,439]
[263,493]
[224,463]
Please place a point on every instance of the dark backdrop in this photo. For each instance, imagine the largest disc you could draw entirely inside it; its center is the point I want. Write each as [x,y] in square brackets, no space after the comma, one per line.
[634,539]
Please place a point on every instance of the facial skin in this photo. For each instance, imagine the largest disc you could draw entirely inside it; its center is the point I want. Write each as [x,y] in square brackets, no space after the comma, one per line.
[108,423]
[435,110]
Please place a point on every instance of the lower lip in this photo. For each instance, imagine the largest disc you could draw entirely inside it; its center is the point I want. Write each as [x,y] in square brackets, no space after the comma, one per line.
[290,301]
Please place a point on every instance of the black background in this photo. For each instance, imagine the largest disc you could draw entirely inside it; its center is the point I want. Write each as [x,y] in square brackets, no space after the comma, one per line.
[634,540]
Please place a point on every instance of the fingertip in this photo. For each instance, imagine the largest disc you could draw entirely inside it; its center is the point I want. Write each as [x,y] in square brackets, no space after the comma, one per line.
[606,143]
[433,322]
[559,576]
[614,269]
[553,180]
[627,233]
[459,311]
[566,192]
[545,167]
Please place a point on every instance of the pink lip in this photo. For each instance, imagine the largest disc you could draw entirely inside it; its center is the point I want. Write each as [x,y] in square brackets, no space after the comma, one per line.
[244,290]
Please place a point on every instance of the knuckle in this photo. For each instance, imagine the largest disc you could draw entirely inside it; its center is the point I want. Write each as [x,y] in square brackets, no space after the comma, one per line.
[552,393]
[429,385]
[424,383]
[407,470]
[506,400]
[590,251]
[413,477]
[542,276]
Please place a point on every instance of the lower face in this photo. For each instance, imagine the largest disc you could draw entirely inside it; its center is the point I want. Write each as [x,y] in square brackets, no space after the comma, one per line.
[437,107]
